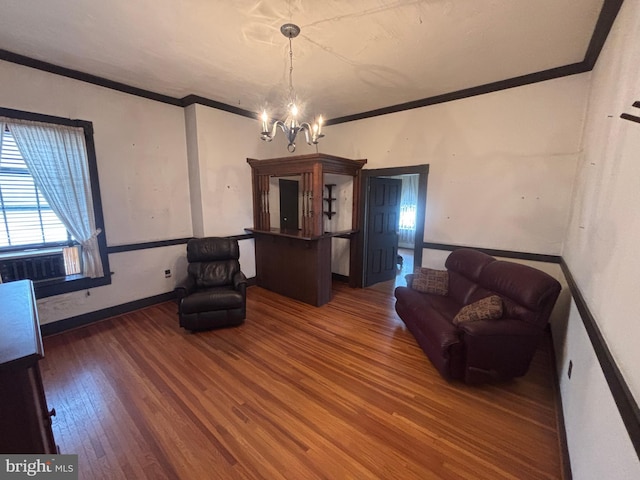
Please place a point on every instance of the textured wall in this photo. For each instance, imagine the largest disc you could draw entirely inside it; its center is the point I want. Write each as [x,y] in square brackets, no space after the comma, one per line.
[601,252]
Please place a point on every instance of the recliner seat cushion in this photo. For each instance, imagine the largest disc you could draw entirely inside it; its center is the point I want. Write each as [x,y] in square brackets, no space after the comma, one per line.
[220,298]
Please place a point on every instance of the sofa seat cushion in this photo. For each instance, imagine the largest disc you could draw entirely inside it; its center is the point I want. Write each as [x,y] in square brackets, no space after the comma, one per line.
[429,314]
[416,300]
[217,298]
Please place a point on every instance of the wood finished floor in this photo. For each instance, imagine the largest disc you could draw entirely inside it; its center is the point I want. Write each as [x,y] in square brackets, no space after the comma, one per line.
[297,392]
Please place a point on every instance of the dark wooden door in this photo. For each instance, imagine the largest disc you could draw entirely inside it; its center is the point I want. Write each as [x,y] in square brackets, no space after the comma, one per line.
[383,215]
[288,204]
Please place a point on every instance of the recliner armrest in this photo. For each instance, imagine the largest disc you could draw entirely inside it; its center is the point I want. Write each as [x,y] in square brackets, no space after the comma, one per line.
[239,279]
[504,347]
[500,327]
[187,287]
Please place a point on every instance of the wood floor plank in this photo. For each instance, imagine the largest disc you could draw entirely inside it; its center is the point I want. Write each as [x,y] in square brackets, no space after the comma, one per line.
[297,392]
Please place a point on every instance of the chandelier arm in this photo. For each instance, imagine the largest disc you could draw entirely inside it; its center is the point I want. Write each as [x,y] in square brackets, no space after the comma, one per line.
[307,129]
[268,136]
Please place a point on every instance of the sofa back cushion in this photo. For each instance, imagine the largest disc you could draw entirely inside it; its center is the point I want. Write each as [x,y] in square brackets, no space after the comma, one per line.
[465,266]
[528,294]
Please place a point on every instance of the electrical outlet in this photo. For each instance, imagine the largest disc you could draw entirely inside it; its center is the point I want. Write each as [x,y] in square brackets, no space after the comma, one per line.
[570,368]
[167,273]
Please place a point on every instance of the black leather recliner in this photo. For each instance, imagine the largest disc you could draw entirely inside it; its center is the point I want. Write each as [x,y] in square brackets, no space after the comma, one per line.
[214,294]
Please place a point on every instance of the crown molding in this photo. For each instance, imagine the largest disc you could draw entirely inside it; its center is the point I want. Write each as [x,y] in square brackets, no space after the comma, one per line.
[606,18]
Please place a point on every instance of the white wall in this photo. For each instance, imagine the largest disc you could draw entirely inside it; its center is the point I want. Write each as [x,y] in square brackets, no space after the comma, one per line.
[142,167]
[165,172]
[341,221]
[501,165]
[601,252]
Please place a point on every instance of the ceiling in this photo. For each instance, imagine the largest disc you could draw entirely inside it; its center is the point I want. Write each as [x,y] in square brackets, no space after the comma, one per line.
[350,57]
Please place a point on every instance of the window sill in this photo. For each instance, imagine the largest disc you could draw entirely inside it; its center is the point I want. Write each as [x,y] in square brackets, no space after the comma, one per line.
[70,283]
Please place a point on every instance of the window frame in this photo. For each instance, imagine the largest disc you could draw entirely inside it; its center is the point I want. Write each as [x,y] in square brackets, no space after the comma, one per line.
[72,283]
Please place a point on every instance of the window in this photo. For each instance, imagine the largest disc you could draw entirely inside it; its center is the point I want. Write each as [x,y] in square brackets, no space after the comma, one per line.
[27,219]
[51,227]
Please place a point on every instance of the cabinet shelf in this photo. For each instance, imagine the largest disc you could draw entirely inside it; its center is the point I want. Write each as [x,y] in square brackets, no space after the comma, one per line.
[329,199]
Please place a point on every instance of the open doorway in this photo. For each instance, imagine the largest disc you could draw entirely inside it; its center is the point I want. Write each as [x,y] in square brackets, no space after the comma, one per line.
[413,220]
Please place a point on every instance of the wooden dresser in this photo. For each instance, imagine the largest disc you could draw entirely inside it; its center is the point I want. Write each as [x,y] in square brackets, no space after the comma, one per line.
[25,421]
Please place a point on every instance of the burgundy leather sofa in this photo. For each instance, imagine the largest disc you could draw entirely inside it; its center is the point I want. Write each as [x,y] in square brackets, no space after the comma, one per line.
[485,349]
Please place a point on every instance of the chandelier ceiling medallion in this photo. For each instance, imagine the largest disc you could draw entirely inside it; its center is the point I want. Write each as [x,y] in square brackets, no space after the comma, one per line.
[290,126]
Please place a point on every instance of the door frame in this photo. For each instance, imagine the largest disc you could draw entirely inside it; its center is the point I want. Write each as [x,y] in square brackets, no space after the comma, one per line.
[357,276]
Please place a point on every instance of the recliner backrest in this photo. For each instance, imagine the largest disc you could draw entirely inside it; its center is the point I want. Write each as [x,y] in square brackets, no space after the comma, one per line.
[527,293]
[465,266]
[213,261]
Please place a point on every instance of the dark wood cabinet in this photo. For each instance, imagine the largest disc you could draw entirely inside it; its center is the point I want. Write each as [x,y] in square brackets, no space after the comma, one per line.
[298,263]
[296,267]
[25,420]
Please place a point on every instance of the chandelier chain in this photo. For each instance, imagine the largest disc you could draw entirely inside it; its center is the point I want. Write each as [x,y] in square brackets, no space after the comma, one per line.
[291,91]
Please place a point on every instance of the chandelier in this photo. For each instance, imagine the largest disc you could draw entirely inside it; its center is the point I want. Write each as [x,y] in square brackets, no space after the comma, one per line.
[290,126]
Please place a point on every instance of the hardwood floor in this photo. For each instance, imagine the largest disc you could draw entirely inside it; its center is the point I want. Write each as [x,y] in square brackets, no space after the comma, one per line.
[297,392]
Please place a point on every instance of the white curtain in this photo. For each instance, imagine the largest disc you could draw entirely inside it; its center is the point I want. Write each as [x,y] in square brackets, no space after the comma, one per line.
[56,156]
[408,210]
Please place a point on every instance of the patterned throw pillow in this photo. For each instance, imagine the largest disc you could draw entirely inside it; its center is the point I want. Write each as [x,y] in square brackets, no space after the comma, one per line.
[488,308]
[429,280]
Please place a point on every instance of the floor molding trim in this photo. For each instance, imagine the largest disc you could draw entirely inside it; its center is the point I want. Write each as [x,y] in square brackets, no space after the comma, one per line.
[92,317]
[562,431]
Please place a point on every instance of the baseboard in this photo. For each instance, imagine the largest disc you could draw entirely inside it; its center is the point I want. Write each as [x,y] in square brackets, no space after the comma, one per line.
[562,431]
[340,278]
[91,317]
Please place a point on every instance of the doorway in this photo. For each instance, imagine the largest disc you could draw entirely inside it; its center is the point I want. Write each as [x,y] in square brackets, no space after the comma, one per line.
[289,194]
[363,246]
[381,234]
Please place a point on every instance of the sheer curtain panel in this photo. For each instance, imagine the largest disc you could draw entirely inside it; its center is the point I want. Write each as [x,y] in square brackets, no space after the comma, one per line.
[56,156]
